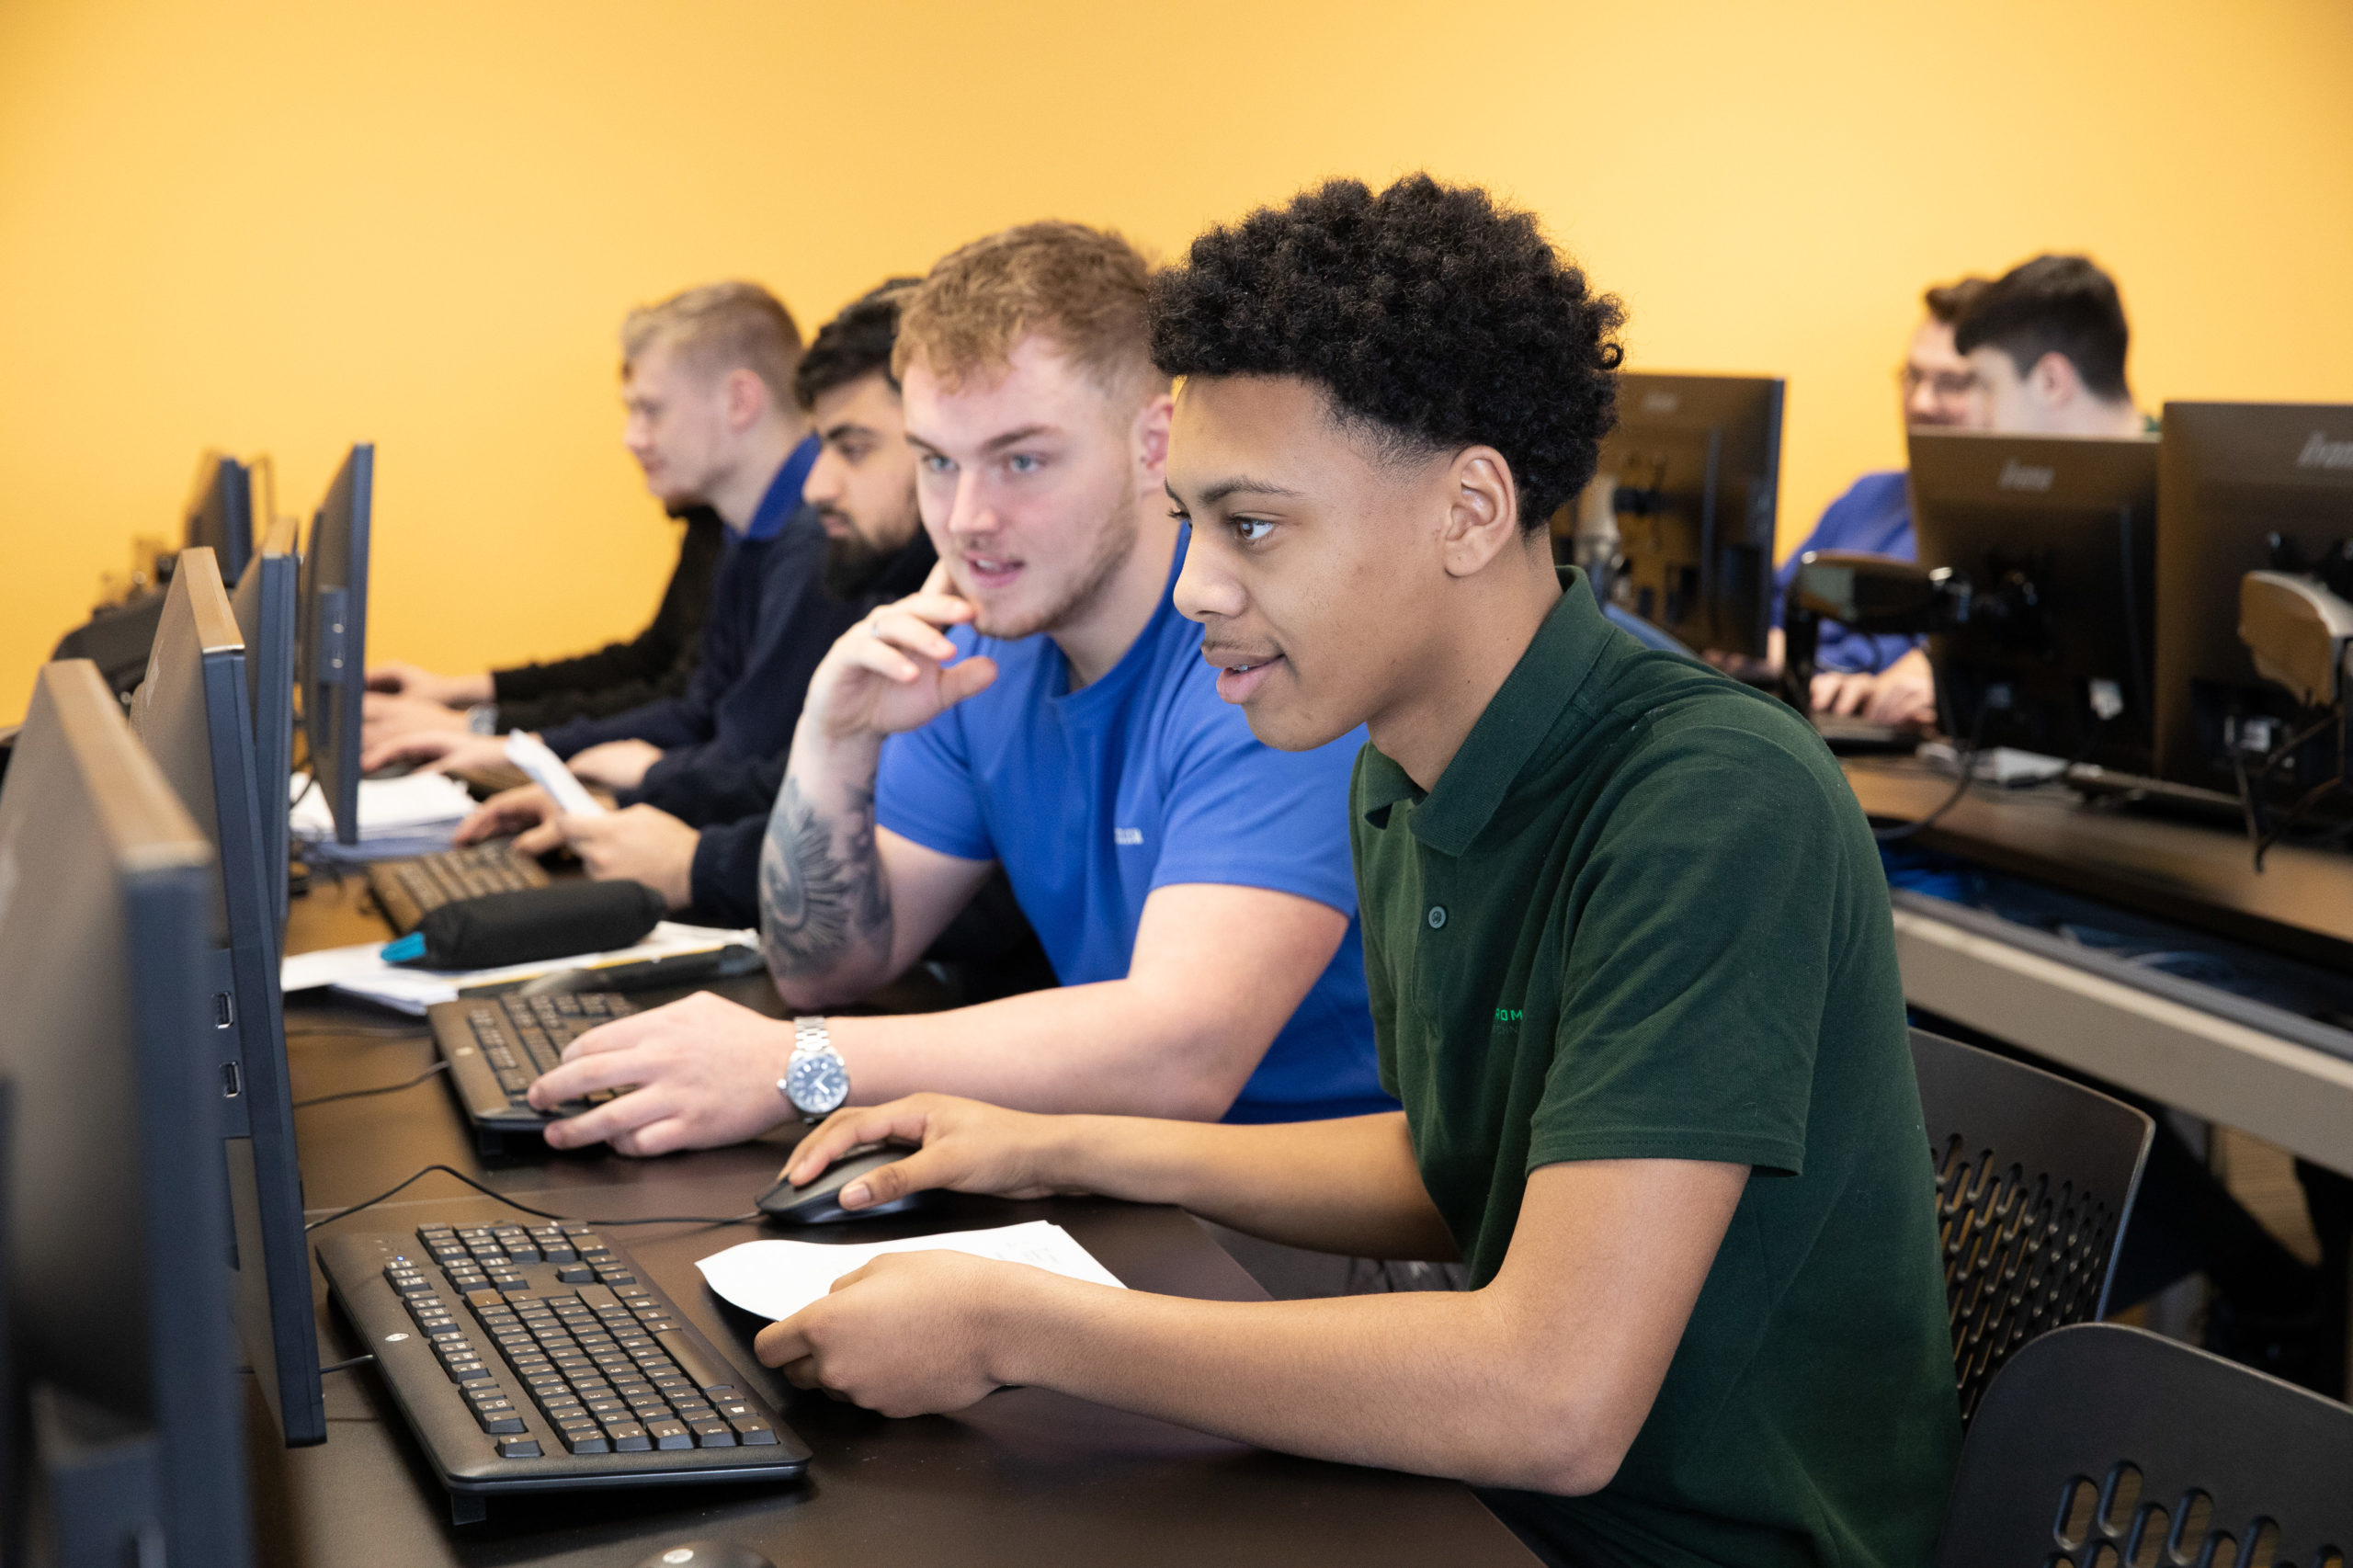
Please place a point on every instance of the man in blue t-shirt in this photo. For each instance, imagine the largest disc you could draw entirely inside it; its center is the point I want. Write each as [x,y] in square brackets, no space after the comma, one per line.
[1040,706]
[1883,677]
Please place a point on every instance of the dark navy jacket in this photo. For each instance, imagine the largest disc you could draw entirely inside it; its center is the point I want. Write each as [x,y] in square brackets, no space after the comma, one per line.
[771,622]
[730,798]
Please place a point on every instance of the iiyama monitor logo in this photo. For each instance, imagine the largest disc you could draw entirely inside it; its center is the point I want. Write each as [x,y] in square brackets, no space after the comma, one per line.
[2033,477]
[2322,452]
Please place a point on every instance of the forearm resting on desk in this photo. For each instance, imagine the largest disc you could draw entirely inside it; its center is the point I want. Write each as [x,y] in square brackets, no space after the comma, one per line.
[1539,1380]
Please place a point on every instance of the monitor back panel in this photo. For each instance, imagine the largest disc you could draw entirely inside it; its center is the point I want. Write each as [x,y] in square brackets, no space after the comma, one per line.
[2071,671]
[2233,474]
[1696,462]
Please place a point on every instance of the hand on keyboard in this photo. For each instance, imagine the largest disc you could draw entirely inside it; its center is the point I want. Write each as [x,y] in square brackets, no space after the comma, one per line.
[705,1071]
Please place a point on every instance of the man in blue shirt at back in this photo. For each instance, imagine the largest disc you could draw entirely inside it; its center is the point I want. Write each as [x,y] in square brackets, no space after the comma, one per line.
[707,381]
[1886,679]
[1044,706]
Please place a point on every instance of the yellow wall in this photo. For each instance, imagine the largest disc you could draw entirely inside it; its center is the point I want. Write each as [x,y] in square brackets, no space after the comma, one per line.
[279,226]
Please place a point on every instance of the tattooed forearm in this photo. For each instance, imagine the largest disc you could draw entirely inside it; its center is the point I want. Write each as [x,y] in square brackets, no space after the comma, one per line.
[821,901]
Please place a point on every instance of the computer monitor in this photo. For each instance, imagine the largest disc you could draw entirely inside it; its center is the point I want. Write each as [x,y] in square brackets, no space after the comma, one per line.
[192,714]
[117,1218]
[264,602]
[2231,476]
[333,662]
[2056,535]
[1696,465]
[220,513]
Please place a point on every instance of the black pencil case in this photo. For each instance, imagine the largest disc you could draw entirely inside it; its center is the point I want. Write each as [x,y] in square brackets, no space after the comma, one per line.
[525,926]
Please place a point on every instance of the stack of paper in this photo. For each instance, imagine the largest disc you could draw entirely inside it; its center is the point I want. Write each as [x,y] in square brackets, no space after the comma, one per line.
[398,817]
[360,971]
[776,1279]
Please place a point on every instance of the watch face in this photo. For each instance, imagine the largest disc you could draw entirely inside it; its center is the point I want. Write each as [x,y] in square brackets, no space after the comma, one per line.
[818,1084]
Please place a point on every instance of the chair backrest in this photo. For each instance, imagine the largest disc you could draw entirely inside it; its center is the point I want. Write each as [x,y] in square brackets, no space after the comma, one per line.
[2035,1175]
[2102,1444]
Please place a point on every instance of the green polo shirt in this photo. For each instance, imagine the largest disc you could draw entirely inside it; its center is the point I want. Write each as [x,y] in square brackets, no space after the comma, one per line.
[1642,917]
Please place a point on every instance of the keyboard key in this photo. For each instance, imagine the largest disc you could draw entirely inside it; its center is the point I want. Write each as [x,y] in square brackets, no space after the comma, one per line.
[712,1433]
[699,1370]
[751,1432]
[670,1434]
[518,1448]
[589,1442]
[630,1437]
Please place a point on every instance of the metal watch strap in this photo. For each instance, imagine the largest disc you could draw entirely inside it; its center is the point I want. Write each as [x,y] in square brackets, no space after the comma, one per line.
[810,1037]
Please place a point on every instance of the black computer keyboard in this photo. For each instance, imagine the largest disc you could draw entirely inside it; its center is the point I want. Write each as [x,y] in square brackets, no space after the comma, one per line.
[540,1357]
[498,1046]
[408,891]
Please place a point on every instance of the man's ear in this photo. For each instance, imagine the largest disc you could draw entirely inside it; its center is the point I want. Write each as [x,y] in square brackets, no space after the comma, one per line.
[1483,510]
[2055,380]
[1151,437]
[745,398]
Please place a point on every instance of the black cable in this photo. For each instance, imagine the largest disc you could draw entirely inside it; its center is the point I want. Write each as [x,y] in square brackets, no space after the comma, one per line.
[1967,757]
[332,1366]
[565,1218]
[380,1089]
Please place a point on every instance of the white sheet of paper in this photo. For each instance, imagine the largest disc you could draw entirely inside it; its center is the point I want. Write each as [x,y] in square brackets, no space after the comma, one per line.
[361,970]
[386,805]
[776,1279]
[546,769]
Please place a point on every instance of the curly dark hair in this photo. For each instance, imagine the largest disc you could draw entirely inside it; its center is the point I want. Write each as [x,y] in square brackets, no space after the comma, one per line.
[1433,319]
[854,344]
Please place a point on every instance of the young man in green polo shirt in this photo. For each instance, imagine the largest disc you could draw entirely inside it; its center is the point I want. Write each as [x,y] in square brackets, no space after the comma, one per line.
[1631,969]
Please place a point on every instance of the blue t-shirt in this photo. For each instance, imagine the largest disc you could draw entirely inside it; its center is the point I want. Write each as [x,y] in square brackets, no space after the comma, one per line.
[1092,798]
[1873,517]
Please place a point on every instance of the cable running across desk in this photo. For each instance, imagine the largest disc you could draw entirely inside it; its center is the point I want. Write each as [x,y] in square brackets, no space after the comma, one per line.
[438,1068]
[545,1214]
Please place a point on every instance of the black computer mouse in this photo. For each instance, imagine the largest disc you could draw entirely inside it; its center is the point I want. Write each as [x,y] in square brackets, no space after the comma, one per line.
[707,1554]
[819,1202]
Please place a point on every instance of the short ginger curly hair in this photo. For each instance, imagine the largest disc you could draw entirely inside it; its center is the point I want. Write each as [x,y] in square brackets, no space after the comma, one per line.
[1432,318]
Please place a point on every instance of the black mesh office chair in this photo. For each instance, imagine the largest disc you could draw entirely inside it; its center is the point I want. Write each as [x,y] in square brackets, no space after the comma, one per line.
[2035,1176]
[2111,1446]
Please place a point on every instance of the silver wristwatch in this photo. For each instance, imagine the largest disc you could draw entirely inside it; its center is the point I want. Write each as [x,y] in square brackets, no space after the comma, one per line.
[816,1080]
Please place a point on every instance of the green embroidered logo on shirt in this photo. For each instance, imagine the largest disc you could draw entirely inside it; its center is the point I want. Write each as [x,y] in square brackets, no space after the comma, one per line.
[1510,1014]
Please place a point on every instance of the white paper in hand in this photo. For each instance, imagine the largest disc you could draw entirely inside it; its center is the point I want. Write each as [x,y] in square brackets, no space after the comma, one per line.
[546,769]
[776,1279]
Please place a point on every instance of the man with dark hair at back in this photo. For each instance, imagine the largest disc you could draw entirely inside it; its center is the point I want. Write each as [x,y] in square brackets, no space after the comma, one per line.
[707,379]
[2047,342]
[1633,976]
[694,836]
[2039,351]
[1886,677]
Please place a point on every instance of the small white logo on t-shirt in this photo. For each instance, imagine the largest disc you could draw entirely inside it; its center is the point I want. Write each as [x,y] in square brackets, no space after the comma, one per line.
[1124,835]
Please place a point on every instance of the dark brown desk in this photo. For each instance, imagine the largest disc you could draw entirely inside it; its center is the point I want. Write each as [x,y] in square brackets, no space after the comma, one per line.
[2195,874]
[2214,1067]
[1027,1477]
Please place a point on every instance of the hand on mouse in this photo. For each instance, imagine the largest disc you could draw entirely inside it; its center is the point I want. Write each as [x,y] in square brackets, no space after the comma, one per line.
[961,1146]
[911,1334]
